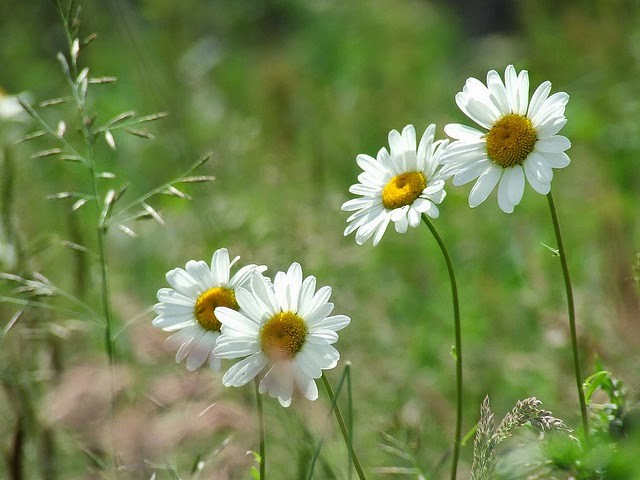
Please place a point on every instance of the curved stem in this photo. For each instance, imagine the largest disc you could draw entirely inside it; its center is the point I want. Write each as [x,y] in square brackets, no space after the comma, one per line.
[572,317]
[263,464]
[458,346]
[343,427]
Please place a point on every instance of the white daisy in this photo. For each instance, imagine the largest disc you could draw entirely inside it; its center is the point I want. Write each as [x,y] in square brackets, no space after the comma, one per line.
[285,329]
[397,187]
[189,306]
[518,138]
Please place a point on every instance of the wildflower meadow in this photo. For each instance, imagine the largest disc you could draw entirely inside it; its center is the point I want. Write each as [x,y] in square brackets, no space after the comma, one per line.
[319,240]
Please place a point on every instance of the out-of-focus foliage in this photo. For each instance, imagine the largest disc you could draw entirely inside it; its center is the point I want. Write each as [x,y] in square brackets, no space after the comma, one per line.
[286,93]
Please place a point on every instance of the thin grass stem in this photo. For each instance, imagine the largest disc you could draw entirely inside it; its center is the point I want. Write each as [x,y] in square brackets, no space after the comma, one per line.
[458,345]
[262,448]
[316,452]
[572,317]
[343,428]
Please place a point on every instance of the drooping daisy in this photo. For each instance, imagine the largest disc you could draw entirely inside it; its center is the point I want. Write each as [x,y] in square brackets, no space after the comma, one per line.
[284,329]
[398,186]
[518,139]
[189,306]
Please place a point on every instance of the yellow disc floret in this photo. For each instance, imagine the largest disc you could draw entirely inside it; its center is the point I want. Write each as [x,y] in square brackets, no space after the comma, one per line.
[511,140]
[207,303]
[282,336]
[403,190]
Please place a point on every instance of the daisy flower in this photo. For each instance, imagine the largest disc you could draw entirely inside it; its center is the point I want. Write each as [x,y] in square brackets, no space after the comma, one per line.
[397,187]
[285,330]
[518,138]
[188,307]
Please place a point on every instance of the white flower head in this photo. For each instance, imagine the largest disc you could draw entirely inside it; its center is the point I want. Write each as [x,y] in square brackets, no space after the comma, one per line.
[285,329]
[397,186]
[518,138]
[188,307]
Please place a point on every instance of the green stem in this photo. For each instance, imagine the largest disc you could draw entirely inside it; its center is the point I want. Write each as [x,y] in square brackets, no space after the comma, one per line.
[343,427]
[572,317]
[263,464]
[458,346]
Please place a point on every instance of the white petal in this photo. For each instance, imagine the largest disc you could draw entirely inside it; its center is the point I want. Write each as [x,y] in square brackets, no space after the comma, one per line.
[201,350]
[409,137]
[538,98]
[551,127]
[538,185]
[244,371]
[462,132]
[236,320]
[322,337]
[484,185]
[320,298]
[307,385]
[202,275]
[555,144]
[169,295]
[516,183]
[557,160]
[220,266]
[184,283]
[334,322]
[497,91]
[471,172]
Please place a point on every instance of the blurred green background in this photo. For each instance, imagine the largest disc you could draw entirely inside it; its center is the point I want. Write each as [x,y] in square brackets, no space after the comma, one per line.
[286,94]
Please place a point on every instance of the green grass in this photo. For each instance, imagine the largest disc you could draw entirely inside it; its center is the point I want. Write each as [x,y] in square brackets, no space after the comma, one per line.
[286,94]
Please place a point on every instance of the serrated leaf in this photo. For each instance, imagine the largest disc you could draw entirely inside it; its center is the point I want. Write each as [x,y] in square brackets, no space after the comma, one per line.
[156,216]
[46,153]
[128,231]
[140,133]
[109,139]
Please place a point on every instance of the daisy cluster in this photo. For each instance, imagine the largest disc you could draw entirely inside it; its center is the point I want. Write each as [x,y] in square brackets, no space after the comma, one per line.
[516,139]
[282,329]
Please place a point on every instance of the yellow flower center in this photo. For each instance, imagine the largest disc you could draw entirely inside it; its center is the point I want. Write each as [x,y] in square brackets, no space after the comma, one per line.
[282,336]
[510,140]
[403,189]
[207,303]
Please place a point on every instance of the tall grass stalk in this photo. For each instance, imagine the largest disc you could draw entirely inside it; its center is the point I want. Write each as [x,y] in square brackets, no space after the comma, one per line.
[572,317]
[348,439]
[458,345]
[346,375]
[262,448]
[79,90]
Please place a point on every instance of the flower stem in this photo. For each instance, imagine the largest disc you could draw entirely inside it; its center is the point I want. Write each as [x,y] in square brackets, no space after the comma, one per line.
[343,427]
[572,317]
[263,464]
[458,346]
